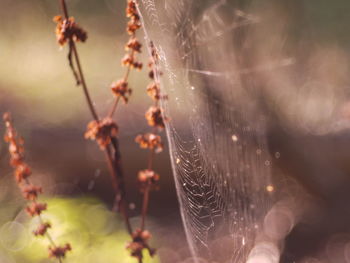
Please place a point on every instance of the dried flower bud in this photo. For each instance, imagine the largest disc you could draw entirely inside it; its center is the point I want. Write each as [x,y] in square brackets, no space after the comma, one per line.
[135,249]
[16,159]
[154,117]
[131,10]
[35,209]
[120,89]
[151,74]
[154,53]
[153,91]
[132,26]
[42,229]
[128,60]
[102,131]
[22,172]
[31,192]
[134,45]
[139,242]
[68,29]
[59,252]
[137,65]
[14,147]
[150,141]
[148,179]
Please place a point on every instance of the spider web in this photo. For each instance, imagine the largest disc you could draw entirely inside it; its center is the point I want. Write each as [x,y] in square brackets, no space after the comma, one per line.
[216,130]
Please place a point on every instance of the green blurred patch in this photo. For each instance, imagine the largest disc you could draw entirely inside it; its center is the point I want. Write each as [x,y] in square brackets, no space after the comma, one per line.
[95,233]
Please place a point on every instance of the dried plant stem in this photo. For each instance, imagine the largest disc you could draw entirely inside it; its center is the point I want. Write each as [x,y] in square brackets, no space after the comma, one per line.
[22,173]
[104,130]
[114,164]
[145,200]
[82,81]
[144,208]
[81,78]
[118,185]
[47,234]
[125,78]
[64,8]
[114,107]
[146,193]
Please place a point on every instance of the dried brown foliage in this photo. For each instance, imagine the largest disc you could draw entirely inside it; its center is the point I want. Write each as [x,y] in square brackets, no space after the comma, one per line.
[104,130]
[22,173]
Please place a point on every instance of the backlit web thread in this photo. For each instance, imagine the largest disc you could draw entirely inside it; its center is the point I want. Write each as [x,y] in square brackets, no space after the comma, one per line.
[217,143]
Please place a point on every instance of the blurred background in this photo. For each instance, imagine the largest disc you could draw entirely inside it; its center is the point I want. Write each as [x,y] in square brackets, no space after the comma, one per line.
[50,112]
[305,97]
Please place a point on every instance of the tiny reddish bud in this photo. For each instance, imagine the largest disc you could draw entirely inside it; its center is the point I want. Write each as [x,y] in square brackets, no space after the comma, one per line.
[35,209]
[59,252]
[31,192]
[102,131]
[42,229]
[150,141]
[120,89]
[154,117]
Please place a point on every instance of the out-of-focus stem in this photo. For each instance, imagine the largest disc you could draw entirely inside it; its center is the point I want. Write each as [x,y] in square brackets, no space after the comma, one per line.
[119,188]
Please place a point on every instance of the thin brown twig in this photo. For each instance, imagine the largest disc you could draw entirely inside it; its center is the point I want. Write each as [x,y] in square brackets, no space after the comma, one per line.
[111,144]
[82,80]
[118,185]
[145,201]
[125,78]
[113,164]
[64,9]
[146,192]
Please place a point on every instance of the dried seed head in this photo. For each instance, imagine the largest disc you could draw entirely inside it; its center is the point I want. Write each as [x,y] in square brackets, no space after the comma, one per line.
[134,23]
[133,45]
[42,229]
[137,65]
[133,26]
[131,10]
[31,192]
[128,60]
[139,243]
[22,172]
[151,74]
[16,159]
[153,91]
[102,131]
[68,29]
[148,179]
[150,141]
[148,176]
[154,117]
[120,89]
[59,252]
[35,209]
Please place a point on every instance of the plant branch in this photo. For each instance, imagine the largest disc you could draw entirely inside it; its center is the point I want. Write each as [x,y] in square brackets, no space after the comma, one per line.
[114,164]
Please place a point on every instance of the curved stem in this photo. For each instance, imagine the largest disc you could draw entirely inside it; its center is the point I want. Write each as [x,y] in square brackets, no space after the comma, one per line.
[83,83]
[114,164]
[119,188]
